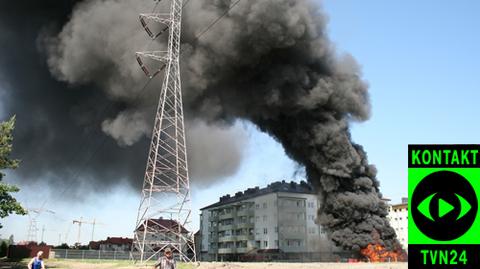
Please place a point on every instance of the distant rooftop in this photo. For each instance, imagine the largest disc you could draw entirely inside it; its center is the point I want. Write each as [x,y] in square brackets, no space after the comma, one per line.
[279,186]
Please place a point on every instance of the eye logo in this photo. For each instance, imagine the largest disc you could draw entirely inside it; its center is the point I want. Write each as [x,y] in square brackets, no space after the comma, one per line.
[444,207]
[444,201]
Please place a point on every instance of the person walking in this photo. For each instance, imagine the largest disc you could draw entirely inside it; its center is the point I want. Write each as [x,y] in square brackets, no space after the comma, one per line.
[37,262]
[167,261]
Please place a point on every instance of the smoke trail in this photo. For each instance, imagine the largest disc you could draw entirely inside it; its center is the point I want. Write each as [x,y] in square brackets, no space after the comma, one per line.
[271,62]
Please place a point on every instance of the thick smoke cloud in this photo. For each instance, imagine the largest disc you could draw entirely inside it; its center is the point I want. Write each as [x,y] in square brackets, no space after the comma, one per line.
[63,121]
[269,62]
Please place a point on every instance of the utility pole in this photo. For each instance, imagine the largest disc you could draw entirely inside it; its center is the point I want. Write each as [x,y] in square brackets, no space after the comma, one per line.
[43,232]
[165,205]
[93,228]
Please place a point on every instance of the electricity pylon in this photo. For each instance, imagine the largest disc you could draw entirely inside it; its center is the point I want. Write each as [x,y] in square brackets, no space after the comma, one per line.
[164,214]
[33,214]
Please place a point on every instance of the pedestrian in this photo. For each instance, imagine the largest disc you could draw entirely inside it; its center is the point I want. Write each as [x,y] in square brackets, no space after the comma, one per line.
[167,261]
[37,262]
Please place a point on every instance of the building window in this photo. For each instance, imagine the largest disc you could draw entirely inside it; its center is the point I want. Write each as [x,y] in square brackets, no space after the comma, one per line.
[264,205]
[257,218]
[257,206]
[276,229]
[265,244]
[265,231]
[264,218]
[257,231]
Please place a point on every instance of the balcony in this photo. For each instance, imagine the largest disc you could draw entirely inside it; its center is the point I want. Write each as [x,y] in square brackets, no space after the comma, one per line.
[226,216]
[213,218]
[243,250]
[226,250]
[245,212]
[244,237]
[227,238]
[244,225]
[225,227]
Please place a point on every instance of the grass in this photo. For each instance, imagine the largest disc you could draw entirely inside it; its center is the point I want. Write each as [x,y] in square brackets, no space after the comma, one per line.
[84,264]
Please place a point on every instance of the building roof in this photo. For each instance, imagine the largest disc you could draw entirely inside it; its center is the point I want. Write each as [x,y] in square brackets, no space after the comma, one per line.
[400,206]
[112,241]
[163,224]
[118,241]
[279,186]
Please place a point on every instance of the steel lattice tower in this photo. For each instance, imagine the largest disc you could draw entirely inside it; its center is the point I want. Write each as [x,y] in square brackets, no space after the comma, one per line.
[164,213]
[32,230]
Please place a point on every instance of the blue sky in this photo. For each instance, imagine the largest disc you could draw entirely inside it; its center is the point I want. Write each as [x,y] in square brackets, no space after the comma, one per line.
[421,60]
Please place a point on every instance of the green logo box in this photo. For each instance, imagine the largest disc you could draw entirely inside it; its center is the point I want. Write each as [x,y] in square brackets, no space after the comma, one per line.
[443,222]
[415,236]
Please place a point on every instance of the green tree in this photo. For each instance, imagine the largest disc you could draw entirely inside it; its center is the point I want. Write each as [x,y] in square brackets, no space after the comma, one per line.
[8,204]
[3,249]
[63,246]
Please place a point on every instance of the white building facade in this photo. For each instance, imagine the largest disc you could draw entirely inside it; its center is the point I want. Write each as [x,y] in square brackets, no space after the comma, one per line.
[273,223]
[398,218]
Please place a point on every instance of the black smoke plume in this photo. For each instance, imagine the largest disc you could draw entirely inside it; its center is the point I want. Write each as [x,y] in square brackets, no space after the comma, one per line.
[63,132]
[269,62]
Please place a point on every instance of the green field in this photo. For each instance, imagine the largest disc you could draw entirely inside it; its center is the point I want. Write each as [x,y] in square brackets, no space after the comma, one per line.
[107,264]
[82,264]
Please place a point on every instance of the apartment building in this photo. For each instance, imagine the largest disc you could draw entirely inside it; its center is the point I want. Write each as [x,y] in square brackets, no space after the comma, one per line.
[398,218]
[276,222]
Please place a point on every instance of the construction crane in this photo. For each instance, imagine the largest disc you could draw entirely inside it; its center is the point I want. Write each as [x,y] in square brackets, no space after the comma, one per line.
[80,222]
[43,233]
[33,214]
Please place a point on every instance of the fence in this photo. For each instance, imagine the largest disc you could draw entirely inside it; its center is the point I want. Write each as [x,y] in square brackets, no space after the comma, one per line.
[97,254]
[89,254]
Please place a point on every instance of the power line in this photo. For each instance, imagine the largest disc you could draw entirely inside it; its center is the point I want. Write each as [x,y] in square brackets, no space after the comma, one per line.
[215,21]
[137,98]
[99,145]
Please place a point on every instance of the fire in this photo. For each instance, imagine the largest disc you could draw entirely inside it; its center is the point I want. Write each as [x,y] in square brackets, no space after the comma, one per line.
[378,253]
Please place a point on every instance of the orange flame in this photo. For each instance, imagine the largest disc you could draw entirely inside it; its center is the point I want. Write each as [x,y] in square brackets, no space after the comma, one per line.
[378,253]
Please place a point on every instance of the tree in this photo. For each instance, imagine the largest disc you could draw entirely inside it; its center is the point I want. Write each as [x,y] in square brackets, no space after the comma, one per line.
[3,249]
[11,240]
[8,204]
[63,246]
